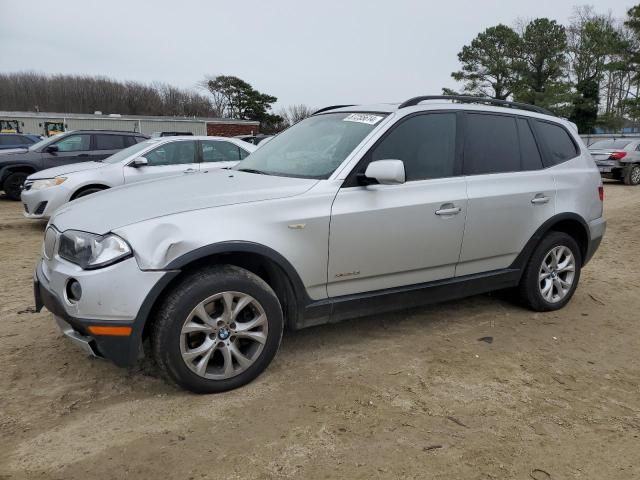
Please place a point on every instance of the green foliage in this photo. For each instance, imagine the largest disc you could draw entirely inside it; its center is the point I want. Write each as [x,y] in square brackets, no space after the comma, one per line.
[542,68]
[585,105]
[236,98]
[490,63]
[588,70]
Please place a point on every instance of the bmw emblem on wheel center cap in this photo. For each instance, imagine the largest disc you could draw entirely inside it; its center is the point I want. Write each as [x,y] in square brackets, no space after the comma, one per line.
[224,333]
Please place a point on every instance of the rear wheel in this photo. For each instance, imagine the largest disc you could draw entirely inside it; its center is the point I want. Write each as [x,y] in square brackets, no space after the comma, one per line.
[552,274]
[632,175]
[217,330]
[12,185]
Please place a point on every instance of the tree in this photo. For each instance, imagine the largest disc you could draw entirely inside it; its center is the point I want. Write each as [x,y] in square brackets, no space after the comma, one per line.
[490,65]
[593,40]
[294,113]
[235,98]
[29,91]
[585,105]
[542,69]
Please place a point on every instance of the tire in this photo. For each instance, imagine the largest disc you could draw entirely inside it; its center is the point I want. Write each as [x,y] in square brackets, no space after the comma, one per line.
[12,185]
[532,285]
[632,175]
[86,191]
[205,293]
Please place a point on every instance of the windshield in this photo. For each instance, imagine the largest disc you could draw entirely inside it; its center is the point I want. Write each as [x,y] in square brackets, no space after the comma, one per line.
[44,143]
[608,144]
[127,152]
[312,148]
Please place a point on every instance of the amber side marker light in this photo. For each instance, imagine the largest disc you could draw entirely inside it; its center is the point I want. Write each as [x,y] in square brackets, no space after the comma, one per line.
[112,331]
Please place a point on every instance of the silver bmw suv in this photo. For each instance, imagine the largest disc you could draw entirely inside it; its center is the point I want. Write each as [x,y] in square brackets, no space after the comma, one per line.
[353,211]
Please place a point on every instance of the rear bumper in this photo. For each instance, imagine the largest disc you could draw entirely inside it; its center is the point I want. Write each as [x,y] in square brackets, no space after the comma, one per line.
[597,228]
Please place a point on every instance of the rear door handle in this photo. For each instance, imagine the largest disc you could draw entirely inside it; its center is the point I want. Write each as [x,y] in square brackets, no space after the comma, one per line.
[83,155]
[448,209]
[190,170]
[540,198]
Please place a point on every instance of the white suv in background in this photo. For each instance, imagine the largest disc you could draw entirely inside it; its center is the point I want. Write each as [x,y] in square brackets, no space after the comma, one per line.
[46,190]
[352,211]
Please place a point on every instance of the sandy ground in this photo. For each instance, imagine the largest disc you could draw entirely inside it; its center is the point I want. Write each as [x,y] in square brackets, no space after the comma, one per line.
[408,395]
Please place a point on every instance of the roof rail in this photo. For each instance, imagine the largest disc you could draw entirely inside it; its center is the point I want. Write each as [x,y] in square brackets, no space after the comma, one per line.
[481,100]
[331,108]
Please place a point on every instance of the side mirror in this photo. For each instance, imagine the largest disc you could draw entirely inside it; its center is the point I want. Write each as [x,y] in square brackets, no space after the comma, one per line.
[52,149]
[386,172]
[139,162]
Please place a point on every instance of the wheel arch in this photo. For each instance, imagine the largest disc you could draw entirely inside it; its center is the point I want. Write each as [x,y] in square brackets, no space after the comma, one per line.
[18,167]
[570,223]
[81,189]
[261,260]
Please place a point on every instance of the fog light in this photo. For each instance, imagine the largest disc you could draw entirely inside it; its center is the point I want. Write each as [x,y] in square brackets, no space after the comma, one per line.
[74,290]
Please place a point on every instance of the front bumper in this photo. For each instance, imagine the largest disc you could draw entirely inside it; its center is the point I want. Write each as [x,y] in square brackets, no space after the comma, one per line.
[121,350]
[42,203]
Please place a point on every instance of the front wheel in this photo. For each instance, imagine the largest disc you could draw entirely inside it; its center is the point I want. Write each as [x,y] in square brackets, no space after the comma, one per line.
[13,185]
[217,330]
[552,274]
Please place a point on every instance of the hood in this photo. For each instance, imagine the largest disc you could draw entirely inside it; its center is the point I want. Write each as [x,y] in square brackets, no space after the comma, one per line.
[13,150]
[66,169]
[137,202]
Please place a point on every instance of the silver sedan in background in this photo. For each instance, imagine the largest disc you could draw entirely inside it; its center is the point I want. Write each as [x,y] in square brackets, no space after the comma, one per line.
[47,190]
[618,159]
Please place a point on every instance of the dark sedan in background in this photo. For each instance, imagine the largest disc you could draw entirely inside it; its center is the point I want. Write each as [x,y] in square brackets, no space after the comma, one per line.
[17,140]
[69,147]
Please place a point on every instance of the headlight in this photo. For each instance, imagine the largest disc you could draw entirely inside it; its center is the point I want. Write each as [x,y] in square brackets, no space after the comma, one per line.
[92,251]
[46,183]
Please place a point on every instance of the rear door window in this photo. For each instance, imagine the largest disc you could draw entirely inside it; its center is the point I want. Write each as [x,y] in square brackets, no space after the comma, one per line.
[556,143]
[109,142]
[173,153]
[491,144]
[530,158]
[217,151]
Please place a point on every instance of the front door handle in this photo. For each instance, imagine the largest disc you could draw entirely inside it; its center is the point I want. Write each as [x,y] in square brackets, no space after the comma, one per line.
[448,209]
[190,170]
[540,198]
[83,155]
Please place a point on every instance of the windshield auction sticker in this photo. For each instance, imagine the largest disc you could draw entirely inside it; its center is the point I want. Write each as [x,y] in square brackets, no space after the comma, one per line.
[363,118]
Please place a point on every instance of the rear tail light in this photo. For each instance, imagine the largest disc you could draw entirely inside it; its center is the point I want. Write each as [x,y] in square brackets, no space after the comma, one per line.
[617,155]
[601,193]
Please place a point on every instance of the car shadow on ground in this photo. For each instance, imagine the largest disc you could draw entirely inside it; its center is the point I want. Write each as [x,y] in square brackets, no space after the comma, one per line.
[392,327]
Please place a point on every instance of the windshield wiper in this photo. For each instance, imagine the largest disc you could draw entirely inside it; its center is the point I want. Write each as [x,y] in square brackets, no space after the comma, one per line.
[253,170]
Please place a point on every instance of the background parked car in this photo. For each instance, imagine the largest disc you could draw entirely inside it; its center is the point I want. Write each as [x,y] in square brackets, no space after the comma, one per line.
[69,147]
[618,159]
[255,139]
[17,140]
[171,134]
[47,190]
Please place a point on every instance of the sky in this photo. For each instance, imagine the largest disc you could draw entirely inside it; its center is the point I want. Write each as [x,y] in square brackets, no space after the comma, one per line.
[317,53]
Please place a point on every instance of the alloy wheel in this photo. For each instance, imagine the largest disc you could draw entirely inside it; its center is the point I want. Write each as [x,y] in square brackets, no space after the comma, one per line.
[223,335]
[556,274]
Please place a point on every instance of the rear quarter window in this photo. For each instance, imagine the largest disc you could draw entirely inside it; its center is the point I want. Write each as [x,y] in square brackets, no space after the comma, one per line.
[556,143]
